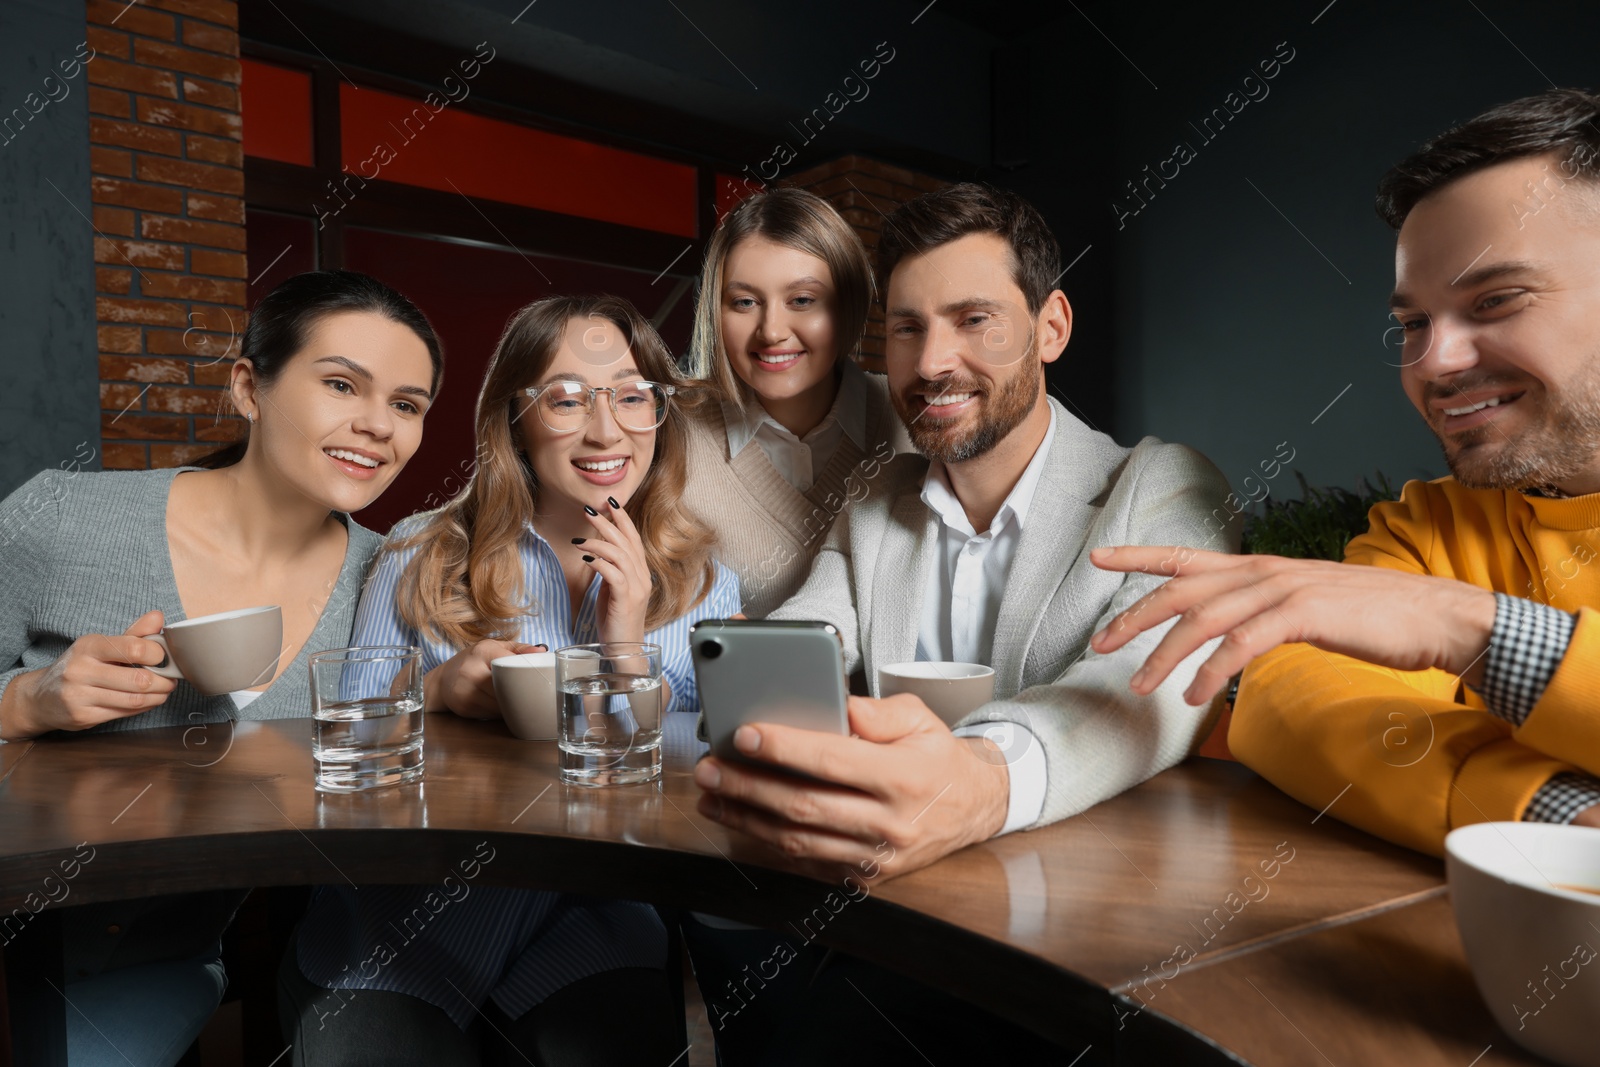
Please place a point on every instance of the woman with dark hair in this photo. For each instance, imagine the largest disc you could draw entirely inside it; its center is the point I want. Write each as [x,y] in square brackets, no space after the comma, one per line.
[334,376]
[572,530]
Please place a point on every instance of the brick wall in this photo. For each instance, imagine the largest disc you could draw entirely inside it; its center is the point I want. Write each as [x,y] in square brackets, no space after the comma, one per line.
[865,190]
[168,194]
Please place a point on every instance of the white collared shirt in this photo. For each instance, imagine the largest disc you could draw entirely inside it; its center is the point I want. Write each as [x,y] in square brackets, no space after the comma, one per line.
[961,604]
[798,459]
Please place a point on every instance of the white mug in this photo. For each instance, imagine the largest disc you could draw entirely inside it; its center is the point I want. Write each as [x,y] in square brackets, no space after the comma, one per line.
[225,652]
[525,686]
[952,690]
[527,691]
[1527,904]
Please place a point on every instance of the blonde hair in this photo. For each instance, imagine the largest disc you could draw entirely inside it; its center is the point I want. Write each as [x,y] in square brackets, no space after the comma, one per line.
[795,219]
[466,582]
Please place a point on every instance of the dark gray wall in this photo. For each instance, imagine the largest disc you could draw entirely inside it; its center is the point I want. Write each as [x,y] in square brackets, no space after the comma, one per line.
[751,67]
[933,95]
[1067,96]
[49,378]
[1227,313]
[741,77]
[1240,319]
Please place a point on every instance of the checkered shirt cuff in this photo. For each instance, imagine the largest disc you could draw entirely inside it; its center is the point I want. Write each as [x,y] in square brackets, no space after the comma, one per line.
[1562,797]
[1525,648]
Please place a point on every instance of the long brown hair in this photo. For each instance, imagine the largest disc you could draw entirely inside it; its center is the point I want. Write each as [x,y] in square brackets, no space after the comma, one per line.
[466,582]
[795,219]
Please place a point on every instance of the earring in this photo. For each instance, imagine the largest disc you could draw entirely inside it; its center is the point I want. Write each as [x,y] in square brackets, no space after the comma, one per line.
[250,417]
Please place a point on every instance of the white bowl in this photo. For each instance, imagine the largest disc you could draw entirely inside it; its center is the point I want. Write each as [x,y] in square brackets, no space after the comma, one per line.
[1534,945]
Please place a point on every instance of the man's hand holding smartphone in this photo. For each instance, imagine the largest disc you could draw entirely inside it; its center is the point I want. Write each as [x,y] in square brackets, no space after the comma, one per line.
[882,785]
[901,793]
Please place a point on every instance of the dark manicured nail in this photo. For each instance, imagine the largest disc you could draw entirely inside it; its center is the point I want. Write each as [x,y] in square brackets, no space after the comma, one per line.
[613,502]
[590,510]
[588,559]
[579,540]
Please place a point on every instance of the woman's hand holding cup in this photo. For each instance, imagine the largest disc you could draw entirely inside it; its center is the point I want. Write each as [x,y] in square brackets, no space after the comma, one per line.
[464,683]
[99,678]
[618,555]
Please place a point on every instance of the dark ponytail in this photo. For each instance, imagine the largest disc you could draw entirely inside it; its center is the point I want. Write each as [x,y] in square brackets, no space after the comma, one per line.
[281,323]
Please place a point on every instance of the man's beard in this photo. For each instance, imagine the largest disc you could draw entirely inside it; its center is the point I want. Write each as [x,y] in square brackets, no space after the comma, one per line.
[1563,443]
[999,414]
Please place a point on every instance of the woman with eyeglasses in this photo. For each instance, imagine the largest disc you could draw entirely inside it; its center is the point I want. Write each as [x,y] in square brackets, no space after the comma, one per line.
[571,531]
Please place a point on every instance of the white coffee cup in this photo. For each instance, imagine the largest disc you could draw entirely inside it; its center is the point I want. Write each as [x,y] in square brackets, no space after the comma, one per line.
[225,652]
[525,686]
[529,699]
[1521,923]
[952,690]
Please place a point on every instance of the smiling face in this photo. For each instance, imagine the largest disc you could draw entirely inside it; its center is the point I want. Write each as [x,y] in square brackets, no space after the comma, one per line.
[1499,299]
[963,353]
[778,321]
[345,413]
[601,459]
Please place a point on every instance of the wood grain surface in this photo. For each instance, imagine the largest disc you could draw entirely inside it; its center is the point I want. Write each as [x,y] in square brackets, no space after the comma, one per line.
[1204,869]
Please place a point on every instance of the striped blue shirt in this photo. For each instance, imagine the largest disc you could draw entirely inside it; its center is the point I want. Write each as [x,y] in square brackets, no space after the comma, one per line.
[456,947]
[549,622]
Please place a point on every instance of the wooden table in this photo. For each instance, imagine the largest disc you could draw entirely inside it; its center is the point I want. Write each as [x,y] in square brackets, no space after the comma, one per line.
[1203,917]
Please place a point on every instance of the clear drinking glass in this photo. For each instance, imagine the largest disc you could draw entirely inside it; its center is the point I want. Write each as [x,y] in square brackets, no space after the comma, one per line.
[610,716]
[367,703]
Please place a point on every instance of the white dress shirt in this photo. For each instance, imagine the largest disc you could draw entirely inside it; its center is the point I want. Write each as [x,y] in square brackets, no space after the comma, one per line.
[962,603]
[798,459]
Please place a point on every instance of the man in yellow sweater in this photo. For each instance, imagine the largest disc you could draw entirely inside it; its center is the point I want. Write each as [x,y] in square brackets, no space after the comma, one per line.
[1453,678]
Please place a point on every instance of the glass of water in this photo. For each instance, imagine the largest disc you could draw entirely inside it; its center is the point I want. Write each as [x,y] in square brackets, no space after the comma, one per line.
[367,703]
[610,715]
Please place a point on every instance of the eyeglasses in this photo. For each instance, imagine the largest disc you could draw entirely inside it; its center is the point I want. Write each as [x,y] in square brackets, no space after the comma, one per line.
[567,406]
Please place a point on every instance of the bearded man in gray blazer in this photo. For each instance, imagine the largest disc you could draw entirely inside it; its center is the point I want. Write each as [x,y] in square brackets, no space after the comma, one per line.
[977,550]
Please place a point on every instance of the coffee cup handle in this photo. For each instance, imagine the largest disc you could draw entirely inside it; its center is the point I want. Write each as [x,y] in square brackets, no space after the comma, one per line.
[166,668]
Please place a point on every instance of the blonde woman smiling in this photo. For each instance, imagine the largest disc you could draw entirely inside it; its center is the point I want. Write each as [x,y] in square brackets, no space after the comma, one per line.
[794,428]
[570,531]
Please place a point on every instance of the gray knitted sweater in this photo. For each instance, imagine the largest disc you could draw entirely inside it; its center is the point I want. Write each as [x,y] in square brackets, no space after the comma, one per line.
[86,552]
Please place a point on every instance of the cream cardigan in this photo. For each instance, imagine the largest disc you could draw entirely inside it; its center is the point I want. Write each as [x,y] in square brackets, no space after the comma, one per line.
[767,531]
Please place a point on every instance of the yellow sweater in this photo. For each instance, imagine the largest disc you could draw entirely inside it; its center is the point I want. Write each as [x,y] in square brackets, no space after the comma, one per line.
[1417,750]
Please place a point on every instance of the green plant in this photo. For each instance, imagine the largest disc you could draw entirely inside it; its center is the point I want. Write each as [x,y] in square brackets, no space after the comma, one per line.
[1318,525]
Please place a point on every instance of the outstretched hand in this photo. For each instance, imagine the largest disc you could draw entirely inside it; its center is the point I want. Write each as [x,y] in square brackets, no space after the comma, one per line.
[1410,622]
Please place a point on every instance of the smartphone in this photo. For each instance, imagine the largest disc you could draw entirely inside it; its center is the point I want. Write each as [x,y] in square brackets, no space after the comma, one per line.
[754,670]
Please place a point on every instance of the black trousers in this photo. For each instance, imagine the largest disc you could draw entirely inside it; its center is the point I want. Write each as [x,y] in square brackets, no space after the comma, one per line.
[857,1013]
[779,1002]
[616,1018]
[750,980]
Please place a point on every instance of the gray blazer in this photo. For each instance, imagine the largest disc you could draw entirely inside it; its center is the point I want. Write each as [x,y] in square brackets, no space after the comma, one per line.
[1098,737]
